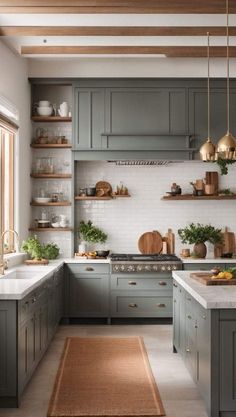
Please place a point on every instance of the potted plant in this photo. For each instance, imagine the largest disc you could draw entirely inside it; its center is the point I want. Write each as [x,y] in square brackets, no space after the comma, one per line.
[40,253]
[90,234]
[198,234]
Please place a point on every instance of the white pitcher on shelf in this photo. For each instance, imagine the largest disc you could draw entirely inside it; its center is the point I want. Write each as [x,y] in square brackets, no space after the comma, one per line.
[63,109]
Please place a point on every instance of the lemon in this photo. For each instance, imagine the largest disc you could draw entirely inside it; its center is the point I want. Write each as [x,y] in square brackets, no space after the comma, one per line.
[228,275]
[221,275]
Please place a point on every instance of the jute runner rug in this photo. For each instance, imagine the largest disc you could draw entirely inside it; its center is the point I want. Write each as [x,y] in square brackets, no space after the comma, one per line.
[107,377]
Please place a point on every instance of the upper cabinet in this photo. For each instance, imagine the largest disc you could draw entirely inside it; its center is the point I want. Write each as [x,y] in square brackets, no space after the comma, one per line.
[89,117]
[130,118]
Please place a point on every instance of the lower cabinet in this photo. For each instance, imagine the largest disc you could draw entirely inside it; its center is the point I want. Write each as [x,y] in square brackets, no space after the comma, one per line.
[26,328]
[88,290]
[141,295]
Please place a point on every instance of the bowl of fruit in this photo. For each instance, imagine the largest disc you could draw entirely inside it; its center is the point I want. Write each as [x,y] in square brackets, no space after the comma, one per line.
[227,273]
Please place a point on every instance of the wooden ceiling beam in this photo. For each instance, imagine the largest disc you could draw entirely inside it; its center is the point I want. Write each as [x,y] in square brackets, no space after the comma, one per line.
[113,31]
[116,6]
[169,51]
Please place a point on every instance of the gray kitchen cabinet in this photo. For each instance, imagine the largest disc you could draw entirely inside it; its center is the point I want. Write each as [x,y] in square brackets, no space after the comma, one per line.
[89,117]
[141,295]
[178,318]
[227,360]
[200,266]
[191,336]
[88,290]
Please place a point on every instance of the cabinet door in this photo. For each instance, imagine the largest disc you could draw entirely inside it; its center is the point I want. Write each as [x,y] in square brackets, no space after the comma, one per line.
[89,123]
[88,295]
[176,316]
[191,336]
[228,365]
[26,351]
[199,267]
[42,328]
[8,348]
[52,312]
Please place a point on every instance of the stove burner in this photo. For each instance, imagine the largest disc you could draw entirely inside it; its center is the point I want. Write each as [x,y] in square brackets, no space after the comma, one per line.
[143,258]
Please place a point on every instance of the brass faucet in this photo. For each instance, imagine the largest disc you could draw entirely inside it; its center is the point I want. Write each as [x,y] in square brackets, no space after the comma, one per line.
[3,264]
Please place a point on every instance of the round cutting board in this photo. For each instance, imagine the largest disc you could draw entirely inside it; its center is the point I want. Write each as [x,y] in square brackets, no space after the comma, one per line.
[150,243]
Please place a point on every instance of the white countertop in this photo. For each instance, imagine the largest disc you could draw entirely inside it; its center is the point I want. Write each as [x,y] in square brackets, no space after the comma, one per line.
[18,288]
[211,296]
[208,260]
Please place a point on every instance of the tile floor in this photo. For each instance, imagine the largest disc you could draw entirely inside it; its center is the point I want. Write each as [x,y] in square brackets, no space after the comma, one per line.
[178,392]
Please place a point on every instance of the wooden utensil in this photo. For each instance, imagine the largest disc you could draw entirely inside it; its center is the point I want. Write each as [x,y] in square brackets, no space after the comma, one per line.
[212,178]
[229,241]
[205,278]
[170,242]
[150,243]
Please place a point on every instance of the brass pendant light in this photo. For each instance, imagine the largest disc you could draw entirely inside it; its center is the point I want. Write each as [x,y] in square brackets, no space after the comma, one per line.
[226,147]
[207,150]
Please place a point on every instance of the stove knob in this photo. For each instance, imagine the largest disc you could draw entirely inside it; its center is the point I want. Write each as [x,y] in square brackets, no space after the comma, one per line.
[174,267]
[147,267]
[122,268]
[163,268]
[131,268]
[155,267]
[169,268]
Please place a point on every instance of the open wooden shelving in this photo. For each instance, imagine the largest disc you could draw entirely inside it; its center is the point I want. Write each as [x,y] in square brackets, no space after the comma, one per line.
[188,197]
[86,198]
[51,119]
[51,204]
[120,195]
[50,229]
[51,146]
[51,176]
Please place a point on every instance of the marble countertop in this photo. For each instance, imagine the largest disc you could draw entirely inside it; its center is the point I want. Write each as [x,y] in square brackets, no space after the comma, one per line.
[18,288]
[210,297]
[208,261]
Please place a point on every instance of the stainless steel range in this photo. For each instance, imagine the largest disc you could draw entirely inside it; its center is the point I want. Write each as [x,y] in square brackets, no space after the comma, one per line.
[123,263]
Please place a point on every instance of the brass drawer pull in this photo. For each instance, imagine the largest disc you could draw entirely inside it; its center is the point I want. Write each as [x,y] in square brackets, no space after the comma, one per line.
[188,350]
[162,283]
[161,305]
[132,283]
[89,269]
[133,305]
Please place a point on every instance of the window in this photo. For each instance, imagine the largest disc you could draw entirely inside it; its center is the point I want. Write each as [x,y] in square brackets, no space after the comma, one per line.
[7,183]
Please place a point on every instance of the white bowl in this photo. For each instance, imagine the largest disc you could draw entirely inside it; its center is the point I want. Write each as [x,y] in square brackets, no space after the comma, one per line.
[42,200]
[44,103]
[55,224]
[44,111]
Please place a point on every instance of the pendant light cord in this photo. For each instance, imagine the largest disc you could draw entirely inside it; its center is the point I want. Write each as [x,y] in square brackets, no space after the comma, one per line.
[227,36]
[208,82]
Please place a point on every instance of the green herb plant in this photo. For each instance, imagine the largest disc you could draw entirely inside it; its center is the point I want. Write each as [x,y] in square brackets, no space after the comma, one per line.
[199,233]
[223,165]
[90,233]
[36,250]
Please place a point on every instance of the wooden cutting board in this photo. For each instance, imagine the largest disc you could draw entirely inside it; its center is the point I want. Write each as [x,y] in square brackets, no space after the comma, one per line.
[205,278]
[150,243]
[229,241]
[212,179]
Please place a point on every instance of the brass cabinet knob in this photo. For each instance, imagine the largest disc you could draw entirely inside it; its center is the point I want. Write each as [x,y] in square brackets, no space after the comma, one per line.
[189,317]
[132,283]
[175,285]
[188,350]
[161,305]
[34,299]
[89,268]
[133,305]
[162,283]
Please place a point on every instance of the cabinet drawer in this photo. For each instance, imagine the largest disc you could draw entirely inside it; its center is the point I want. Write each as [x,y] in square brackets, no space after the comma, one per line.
[199,267]
[141,283]
[143,306]
[89,268]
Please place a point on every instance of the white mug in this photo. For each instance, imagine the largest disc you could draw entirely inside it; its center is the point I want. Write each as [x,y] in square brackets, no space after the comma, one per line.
[63,109]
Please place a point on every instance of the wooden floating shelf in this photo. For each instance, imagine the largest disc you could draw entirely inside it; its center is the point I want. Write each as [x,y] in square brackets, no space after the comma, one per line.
[92,198]
[50,229]
[53,176]
[51,146]
[50,119]
[120,195]
[202,197]
[52,204]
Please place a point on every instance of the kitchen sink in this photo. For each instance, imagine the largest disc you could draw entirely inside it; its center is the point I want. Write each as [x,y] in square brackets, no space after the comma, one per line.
[16,274]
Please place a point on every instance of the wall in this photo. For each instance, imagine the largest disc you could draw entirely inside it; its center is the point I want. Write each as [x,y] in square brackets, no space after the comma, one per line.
[126,219]
[129,67]
[15,87]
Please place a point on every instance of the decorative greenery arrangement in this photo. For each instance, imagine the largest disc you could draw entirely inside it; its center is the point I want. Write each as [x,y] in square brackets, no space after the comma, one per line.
[223,165]
[90,233]
[199,233]
[36,250]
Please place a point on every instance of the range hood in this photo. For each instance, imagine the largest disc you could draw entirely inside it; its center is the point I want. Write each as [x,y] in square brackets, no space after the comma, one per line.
[142,162]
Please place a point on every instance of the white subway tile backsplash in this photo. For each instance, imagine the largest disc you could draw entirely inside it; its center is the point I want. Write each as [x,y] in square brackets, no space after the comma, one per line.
[124,220]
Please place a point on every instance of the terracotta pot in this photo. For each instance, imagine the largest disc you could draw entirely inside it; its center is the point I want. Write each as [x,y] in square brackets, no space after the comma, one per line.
[200,250]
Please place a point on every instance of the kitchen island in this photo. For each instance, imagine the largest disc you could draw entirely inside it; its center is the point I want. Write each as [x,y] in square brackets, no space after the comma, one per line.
[204,334]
